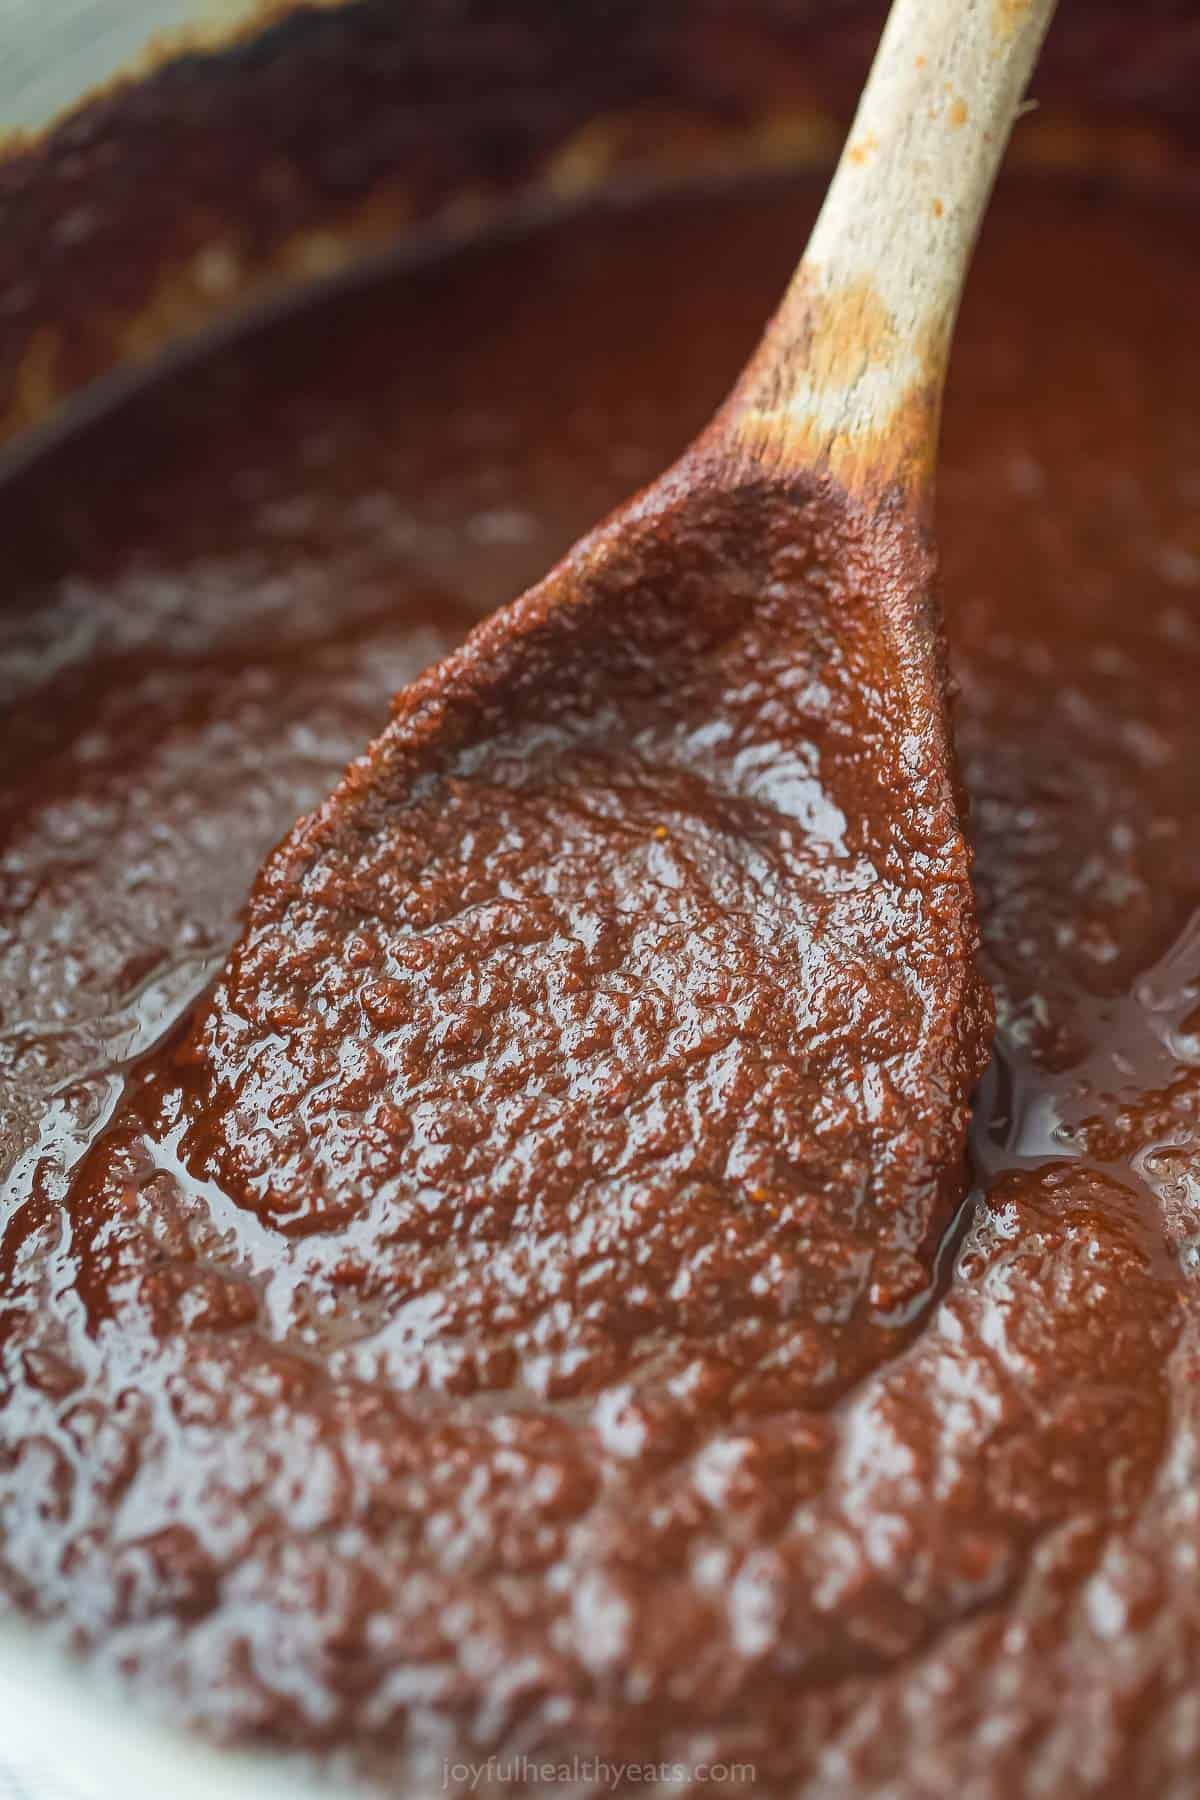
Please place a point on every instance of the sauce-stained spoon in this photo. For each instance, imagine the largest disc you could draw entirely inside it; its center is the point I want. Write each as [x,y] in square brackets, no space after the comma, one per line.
[622,1004]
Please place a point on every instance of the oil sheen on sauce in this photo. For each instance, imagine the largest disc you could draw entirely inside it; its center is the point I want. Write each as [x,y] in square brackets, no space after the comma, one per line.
[247,1468]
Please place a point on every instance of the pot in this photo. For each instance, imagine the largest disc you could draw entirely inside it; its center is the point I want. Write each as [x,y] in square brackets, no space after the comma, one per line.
[172,167]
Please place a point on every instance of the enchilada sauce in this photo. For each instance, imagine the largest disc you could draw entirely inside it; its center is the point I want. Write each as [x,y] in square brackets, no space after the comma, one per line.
[624,1392]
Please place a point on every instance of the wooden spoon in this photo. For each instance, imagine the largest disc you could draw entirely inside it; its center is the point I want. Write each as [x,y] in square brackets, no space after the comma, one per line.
[623,998]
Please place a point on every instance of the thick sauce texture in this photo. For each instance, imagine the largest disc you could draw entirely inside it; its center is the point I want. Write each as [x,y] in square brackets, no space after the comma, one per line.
[659,1408]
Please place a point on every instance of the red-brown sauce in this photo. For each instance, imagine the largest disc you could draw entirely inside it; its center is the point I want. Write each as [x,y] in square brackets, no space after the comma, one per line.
[398,1493]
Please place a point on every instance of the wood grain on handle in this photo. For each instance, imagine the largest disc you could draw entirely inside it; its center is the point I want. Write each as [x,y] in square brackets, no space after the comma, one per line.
[849,374]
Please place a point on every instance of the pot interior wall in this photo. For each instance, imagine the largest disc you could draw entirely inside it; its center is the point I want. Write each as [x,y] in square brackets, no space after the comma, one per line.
[218,178]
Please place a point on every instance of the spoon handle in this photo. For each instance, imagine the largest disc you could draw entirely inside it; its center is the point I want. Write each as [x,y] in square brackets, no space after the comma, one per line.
[849,373]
